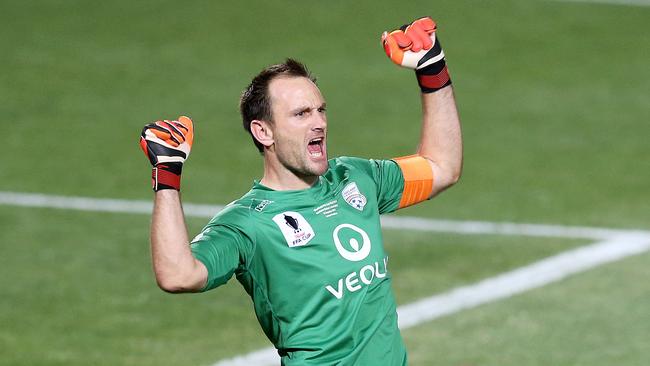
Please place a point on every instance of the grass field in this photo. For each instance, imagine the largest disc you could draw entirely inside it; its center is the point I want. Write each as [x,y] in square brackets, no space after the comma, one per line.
[554,101]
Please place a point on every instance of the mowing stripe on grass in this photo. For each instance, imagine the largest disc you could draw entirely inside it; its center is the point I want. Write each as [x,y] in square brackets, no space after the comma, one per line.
[612,245]
[611,2]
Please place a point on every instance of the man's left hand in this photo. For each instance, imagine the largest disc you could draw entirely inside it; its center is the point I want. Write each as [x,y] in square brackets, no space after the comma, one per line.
[415,46]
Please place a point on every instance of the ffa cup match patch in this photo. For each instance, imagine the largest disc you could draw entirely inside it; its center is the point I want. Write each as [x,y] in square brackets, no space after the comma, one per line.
[353,196]
[295,228]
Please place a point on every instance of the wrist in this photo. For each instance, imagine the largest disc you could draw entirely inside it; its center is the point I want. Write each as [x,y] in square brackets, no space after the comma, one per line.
[433,77]
[166,176]
[432,73]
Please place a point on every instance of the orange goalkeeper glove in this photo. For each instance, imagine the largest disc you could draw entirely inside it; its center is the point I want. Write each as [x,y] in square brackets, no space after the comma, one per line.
[416,46]
[167,144]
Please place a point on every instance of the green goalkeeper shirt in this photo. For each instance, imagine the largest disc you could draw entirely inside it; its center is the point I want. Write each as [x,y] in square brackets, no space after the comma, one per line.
[314,264]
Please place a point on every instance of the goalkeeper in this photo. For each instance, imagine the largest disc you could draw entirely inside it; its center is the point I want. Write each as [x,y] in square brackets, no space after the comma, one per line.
[305,242]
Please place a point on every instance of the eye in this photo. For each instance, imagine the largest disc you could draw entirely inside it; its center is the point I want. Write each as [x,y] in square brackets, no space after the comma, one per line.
[322,109]
[300,114]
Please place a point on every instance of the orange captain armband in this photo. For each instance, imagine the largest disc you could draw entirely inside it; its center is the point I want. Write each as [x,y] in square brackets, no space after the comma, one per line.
[418,179]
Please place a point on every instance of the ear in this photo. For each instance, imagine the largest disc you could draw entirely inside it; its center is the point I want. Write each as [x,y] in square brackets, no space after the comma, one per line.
[262,132]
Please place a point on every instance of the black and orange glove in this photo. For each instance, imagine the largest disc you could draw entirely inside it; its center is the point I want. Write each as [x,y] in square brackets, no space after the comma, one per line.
[415,46]
[167,144]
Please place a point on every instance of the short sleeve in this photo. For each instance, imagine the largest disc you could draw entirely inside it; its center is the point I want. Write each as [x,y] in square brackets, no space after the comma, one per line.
[400,182]
[224,250]
[386,176]
[390,184]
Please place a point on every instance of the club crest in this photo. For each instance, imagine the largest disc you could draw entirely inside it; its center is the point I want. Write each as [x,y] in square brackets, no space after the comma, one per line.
[353,196]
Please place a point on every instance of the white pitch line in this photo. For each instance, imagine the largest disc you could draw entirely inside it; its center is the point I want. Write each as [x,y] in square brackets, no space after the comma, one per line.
[263,357]
[97,204]
[387,221]
[613,244]
[499,228]
[535,275]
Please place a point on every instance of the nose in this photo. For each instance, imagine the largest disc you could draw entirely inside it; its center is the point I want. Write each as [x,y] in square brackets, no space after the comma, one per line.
[320,122]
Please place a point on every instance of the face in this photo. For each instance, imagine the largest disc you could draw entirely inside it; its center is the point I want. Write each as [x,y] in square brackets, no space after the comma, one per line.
[299,126]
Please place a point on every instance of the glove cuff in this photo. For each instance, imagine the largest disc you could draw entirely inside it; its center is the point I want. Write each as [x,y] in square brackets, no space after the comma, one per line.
[433,77]
[166,176]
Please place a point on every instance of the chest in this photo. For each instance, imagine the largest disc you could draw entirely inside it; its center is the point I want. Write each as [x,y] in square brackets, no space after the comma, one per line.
[330,236]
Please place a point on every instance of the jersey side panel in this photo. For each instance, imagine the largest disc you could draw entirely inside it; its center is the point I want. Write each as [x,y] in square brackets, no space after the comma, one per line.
[224,246]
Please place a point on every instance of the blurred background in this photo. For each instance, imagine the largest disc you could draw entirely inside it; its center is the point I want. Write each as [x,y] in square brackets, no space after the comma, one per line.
[554,100]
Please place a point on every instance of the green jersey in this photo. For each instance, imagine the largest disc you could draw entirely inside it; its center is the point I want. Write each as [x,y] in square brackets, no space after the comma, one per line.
[314,264]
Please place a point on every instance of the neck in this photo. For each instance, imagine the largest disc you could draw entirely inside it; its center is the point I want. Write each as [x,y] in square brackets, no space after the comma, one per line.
[287,182]
[279,178]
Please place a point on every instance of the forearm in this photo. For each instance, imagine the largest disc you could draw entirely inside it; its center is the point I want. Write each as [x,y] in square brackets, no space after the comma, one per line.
[441,141]
[417,47]
[175,268]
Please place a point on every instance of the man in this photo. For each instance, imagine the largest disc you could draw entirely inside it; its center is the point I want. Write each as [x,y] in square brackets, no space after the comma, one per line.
[305,242]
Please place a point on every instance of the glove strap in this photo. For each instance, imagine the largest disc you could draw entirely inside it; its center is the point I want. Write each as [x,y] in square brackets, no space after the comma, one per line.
[433,77]
[166,176]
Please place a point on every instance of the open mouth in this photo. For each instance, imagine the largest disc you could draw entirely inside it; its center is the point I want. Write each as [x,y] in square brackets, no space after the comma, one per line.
[315,147]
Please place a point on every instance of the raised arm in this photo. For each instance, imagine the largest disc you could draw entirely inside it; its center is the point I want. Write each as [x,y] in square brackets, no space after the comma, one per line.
[167,144]
[440,140]
[416,46]
[175,267]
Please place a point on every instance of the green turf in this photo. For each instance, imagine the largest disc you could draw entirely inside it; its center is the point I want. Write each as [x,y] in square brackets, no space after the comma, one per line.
[596,318]
[553,98]
[84,293]
[428,263]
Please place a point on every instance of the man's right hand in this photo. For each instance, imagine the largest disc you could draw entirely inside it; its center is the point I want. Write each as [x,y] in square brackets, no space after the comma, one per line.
[167,144]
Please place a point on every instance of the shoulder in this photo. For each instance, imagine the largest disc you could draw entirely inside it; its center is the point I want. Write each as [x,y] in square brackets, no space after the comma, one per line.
[233,214]
[349,164]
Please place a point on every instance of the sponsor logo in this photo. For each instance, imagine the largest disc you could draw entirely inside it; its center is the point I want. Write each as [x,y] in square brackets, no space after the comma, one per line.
[356,280]
[262,205]
[296,230]
[359,250]
[328,209]
[355,251]
[353,196]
